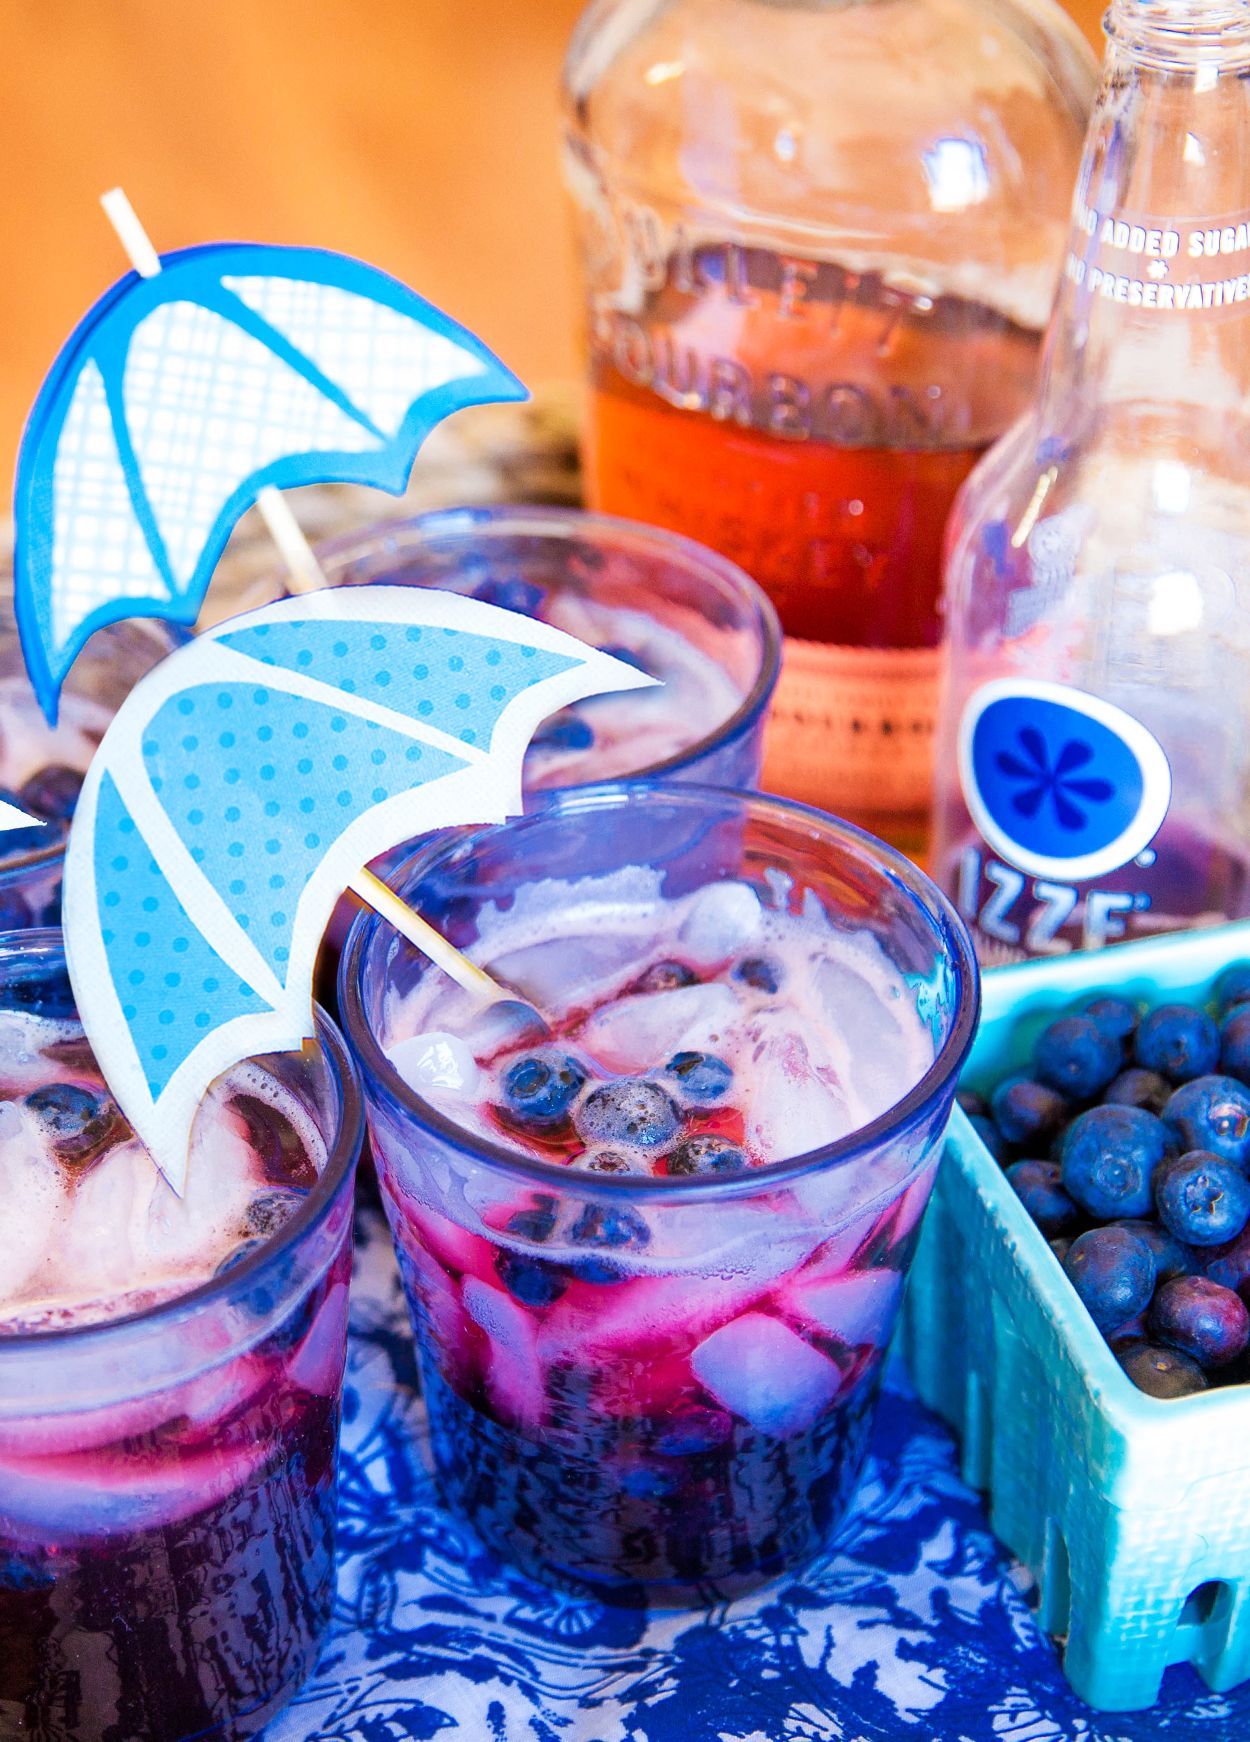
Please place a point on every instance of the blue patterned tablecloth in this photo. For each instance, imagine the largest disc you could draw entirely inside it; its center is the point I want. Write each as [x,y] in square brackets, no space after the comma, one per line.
[916,1624]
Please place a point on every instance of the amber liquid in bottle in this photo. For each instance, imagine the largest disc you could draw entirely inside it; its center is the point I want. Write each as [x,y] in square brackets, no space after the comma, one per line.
[813,424]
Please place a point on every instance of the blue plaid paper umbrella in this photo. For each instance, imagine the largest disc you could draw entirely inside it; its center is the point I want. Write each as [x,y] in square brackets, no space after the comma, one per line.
[181,396]
[247,779]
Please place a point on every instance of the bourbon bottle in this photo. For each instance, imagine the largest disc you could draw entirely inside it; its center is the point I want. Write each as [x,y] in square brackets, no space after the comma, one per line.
[820,240]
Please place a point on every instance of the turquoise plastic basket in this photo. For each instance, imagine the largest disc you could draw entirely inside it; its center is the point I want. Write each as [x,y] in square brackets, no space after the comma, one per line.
[1132,1513]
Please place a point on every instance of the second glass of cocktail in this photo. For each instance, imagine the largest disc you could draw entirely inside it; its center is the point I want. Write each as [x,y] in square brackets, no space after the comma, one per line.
[654,1259]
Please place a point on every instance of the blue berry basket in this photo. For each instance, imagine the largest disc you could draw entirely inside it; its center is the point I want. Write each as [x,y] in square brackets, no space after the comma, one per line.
[1132,1512]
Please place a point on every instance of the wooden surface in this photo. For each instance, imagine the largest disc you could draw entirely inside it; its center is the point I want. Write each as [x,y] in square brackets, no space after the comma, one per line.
[419,134]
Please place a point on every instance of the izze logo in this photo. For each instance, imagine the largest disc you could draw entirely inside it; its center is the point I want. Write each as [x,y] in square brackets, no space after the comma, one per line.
[1060,783]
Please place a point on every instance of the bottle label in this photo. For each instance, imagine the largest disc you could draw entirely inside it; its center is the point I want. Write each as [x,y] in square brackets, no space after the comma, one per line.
[1060,784]
[851,728]
[1175,266]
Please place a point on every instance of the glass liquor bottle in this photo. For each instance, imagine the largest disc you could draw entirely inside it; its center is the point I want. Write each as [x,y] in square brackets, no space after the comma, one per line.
[1094,742]
[820,239]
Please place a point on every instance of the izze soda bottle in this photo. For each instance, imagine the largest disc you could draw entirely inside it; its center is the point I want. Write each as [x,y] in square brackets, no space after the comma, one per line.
[1094,747]
[820,240]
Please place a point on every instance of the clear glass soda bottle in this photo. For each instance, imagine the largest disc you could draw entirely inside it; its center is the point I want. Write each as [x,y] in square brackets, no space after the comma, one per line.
[820,240]
[1094,744]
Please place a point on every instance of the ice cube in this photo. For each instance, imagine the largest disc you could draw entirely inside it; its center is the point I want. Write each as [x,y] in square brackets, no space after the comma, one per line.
[32,1187]
[721,919]
[794,1106]
[642,1032]
[514,1381]
[317,1365]
[856,1308]
[877,1058]
[761,1370]
[571,972]
[438,1062]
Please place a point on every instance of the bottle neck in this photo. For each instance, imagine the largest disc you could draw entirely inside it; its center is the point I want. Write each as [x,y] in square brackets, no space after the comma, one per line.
[1153,311]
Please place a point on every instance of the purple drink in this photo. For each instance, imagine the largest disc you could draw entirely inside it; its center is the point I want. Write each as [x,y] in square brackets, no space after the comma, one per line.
[170,1372]
[653,1264]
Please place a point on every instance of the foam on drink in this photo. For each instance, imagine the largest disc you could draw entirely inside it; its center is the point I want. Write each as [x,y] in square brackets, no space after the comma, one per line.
[814,1022]
[94,1229]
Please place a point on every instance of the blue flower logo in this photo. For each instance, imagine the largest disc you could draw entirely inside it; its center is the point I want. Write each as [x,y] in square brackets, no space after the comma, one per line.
[1059,783]
[1037,778]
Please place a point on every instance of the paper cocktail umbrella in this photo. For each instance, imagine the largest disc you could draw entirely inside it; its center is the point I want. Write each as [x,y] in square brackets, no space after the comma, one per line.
[192,388]
[242,787]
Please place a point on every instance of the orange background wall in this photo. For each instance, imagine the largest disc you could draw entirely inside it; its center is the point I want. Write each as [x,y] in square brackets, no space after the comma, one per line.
[420,134]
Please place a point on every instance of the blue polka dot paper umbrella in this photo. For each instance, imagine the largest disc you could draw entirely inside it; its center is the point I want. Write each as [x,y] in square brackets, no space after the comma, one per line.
[201,383]
[244,785]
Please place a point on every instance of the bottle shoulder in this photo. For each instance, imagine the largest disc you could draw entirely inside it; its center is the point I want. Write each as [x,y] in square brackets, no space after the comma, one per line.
[798,84]
[945,133]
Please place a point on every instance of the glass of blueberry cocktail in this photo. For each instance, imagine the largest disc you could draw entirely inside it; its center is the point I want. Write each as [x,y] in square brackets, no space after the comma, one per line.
[685,615]
[170,1374]
[42,767]
[654,1254]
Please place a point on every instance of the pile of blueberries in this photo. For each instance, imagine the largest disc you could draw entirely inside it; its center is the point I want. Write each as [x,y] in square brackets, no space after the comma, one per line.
[1129,1145]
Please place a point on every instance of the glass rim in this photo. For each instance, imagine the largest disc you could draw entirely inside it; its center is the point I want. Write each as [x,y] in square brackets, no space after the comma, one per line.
[46,943]
[562,524]
[902,1116]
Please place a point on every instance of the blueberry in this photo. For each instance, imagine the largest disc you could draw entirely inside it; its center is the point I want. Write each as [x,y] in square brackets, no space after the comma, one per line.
[694,1430]
[276,1142]
[1116,1017]
[1060,1246]
[666,976]
[607,1228]
[1138,1088]
[761,972]
[609,1225]
[1202,1198]
[1178,1040]
[1160,1372]
[80,1126]
[1038,1187]
[15,914]
[972,1103]
[700,1076]
[608,1161]
[1172,1257]
[52,792]
[1208,1323]
[511,593]
[707,1154]
[564,731]
[989,1134]
[1114,1274]
[1074,1056]
[18,1574]
[539,1090]
[1211,1113]
[1107,1157]
[529,1279]
[1028,1112]
[1233,987]
[1229,1264]
[537,1222]
[1235,1043]
[631,1110]
[269,1210]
